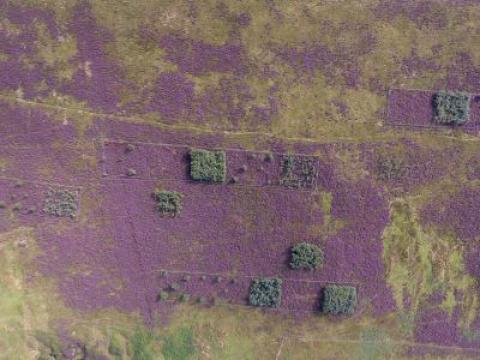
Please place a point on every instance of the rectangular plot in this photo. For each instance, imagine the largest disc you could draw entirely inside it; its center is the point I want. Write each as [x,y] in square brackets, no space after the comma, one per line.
[48,163]
[413,109]
[150,161]
[26,201]
[219,229]
[252,168]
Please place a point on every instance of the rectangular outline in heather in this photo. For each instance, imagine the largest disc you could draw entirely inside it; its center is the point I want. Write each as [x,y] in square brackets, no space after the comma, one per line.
[432,126]
[106,176]
[44,186]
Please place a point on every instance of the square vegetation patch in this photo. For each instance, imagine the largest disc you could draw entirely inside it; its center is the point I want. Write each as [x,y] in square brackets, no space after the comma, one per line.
[61,203]
[168,203]
[208,166]
[266,292]
[298,171]
[451,108]
[391,168]
[305,256]
[339,300]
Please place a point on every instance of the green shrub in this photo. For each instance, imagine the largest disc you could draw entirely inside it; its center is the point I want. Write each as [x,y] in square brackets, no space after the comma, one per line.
[183,297]
[162,296]
[168,203]
[266,292]
[61,203]
[306,256]
[451,108]
[339,300]
[207,165]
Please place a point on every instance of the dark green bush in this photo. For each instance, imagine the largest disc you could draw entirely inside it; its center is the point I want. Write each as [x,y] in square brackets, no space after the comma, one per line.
[266,292]
[306,256]
[451,108]
[168,203]
[339,300]
[207,165]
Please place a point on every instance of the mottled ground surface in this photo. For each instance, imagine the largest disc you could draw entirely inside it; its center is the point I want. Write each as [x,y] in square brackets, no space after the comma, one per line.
[91,90]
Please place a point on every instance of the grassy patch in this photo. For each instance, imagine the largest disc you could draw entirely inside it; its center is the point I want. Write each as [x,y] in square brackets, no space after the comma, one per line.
[141,345]
[180,345]
[375,344]
[418,263]
[115,347]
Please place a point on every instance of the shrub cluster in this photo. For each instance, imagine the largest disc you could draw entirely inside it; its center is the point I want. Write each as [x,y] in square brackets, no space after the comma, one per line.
[297,171]
[209,166]
[306,256]
[61,202]
[451,108]
[168,203]
[266,292]
[339,300]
